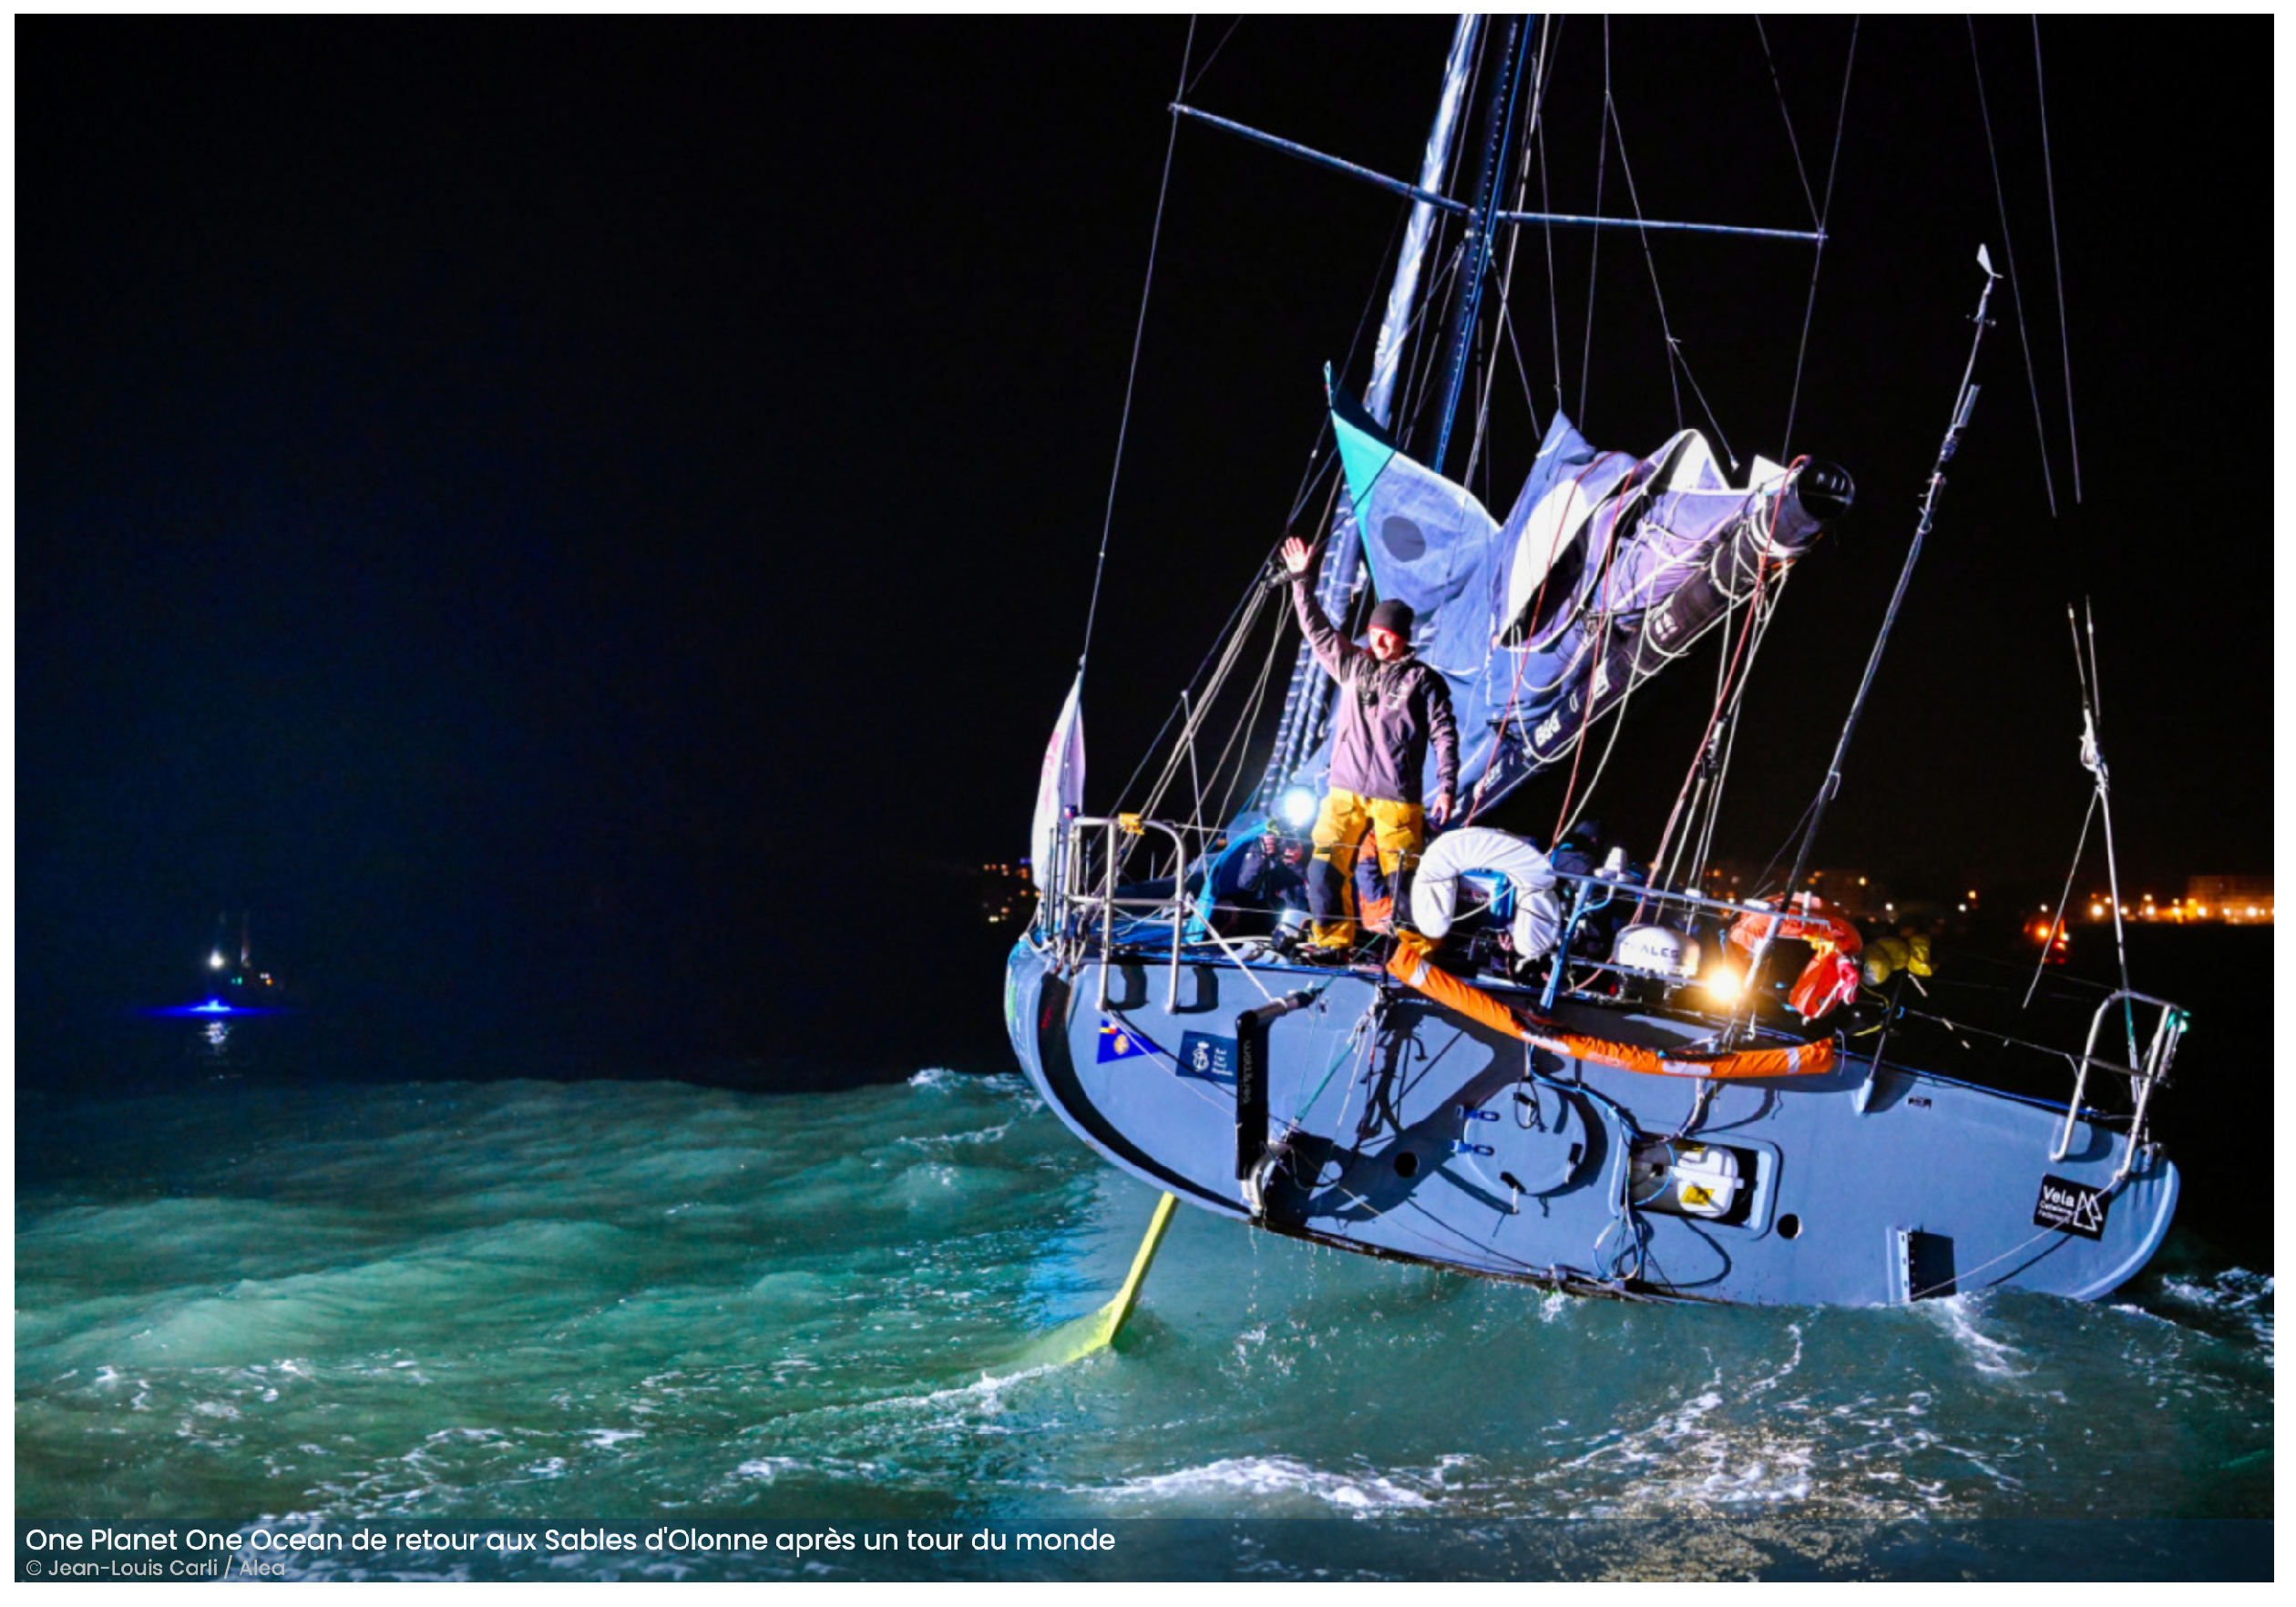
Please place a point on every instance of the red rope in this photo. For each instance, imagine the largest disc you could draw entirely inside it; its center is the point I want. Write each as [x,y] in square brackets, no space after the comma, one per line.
[1602,645]
[1729,676]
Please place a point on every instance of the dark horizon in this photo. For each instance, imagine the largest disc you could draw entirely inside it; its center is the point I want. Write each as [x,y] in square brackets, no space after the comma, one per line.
[585,527]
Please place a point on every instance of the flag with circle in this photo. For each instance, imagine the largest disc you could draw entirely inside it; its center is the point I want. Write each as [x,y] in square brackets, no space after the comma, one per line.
[1120,1042]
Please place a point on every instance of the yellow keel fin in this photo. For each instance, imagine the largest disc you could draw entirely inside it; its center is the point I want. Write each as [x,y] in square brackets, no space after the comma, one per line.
[1076,1340]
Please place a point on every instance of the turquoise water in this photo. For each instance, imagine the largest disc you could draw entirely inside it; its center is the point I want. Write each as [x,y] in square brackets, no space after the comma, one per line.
[483,1304]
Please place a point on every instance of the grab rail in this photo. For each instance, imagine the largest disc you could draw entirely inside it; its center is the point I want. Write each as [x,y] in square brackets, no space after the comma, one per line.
[2160,1053]
[1107,901]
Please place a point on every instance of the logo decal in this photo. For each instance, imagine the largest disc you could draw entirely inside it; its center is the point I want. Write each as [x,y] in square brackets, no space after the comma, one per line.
[1212,1059]
[1120,1042]
[2070,1208]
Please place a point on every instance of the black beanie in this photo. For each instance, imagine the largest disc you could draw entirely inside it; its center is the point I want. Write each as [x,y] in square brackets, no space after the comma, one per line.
[1394,614]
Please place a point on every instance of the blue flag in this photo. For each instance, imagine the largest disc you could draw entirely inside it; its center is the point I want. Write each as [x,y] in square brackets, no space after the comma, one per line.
[1120,1042]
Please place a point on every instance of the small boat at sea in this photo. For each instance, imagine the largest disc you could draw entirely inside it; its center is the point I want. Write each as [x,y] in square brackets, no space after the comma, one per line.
[1567,1067]
[234,983]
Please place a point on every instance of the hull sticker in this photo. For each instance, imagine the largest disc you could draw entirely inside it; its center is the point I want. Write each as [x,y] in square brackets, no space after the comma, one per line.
[2070,1208]
[1120,1042]
[1212,1059]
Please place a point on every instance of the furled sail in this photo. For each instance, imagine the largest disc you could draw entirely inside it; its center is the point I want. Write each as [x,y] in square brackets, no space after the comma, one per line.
[1059,786]
[1612,567]
[1607,568]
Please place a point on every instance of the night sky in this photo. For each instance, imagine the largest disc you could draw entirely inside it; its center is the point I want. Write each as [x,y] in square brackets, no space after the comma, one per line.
[583,528]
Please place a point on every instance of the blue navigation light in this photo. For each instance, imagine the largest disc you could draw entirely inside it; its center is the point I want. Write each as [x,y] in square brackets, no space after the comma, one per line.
[210,1008]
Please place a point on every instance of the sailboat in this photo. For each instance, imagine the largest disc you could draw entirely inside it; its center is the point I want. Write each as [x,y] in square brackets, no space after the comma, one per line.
[1558,1065]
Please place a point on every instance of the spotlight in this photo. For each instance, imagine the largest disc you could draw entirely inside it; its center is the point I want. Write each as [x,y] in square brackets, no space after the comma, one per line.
[1298,806]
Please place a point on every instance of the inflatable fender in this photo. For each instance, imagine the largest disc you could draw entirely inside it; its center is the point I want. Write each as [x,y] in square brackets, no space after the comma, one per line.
[1538,922]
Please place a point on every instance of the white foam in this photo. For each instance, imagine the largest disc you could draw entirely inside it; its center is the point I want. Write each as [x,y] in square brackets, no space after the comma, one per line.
[1274,1479]
[1957,1315]
[986,1135]
[2237,1293]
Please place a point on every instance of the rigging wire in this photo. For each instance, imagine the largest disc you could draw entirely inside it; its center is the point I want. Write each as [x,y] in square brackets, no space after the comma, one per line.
[1800,172]
[1412,388]
[2056,922]
[1594,669]
[1249,595]
[1413,394]
[1155,235]
[1538,82]
[1248,717]
[1676,367]
[2056,256]
[1730,728]
[1707,798]
[1233,648]
[1319,465]
[2000,202]
[1211,59]
[1746,632]
[1595,245]
[1546,231]
[1817,257]
[1617,725]
[2092,759]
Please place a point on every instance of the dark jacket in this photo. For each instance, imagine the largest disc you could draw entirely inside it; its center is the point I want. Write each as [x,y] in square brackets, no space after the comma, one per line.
[1387,713]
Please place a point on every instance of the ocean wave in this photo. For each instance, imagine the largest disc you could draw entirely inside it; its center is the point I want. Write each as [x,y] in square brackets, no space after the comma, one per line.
[513,1303]
[1274,1485]
[1957,1315]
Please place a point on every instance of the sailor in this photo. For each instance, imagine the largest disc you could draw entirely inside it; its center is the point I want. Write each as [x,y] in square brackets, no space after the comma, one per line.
[1580,852]
[1275,870]
[1391,705]
[1268,875]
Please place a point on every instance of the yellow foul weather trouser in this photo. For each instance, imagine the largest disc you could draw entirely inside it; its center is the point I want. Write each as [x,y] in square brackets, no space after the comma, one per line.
[1346,819]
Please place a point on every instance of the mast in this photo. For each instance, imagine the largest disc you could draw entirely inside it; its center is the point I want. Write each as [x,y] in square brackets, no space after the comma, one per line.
[1475,251]
[1309,696]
